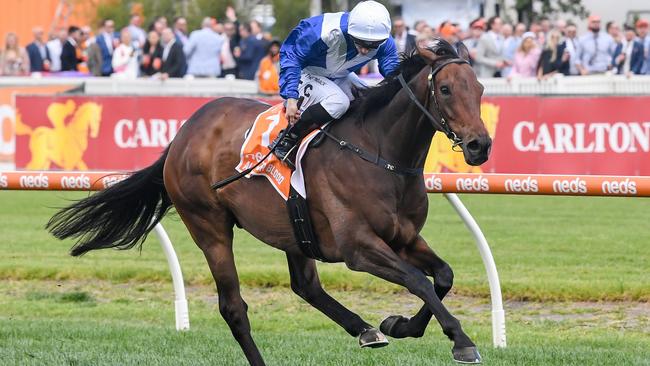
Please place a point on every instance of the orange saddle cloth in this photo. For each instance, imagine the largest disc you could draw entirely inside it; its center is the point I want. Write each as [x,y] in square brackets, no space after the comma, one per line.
[266,128]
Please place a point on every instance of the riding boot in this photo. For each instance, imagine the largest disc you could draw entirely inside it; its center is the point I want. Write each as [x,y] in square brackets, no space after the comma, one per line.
[312,118]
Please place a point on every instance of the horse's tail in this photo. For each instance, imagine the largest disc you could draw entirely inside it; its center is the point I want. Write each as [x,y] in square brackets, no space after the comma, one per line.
[120,216]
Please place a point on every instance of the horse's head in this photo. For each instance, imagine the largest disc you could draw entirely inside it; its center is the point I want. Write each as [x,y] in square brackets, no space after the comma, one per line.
[456,99]
[88,115]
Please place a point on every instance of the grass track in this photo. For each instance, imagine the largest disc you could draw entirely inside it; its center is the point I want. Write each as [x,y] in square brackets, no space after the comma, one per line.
[114,308]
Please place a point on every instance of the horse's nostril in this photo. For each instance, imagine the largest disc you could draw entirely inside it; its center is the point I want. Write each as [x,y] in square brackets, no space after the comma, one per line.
[473,146]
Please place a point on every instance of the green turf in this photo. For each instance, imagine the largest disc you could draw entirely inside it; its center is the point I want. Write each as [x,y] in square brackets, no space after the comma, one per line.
[115,308]
[546,248]
[102,323]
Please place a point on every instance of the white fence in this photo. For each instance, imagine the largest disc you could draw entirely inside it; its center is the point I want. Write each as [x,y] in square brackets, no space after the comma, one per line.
[557,85]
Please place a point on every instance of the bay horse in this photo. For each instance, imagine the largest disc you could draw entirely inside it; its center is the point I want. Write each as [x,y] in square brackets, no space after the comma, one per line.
[364,215]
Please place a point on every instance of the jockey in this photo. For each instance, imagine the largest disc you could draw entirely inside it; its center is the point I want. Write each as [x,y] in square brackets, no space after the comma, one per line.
[318,60]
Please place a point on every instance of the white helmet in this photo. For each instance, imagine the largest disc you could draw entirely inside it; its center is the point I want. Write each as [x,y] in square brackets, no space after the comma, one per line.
[369,21]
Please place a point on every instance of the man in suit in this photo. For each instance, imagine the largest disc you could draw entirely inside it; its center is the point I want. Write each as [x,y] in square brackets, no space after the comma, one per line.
[596,49]
[489,51]
[173,59]
[251,51]
[644,38]
[203,51]
[39,55]
[104,41]
[69,56]
[404,41]
[628,55]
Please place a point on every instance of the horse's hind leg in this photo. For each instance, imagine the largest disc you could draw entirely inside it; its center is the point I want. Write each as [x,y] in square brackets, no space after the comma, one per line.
[424,258]
[371,254]
[306,284]
[213,233]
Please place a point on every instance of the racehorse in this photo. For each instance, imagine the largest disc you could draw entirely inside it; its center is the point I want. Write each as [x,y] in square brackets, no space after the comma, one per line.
[365,215]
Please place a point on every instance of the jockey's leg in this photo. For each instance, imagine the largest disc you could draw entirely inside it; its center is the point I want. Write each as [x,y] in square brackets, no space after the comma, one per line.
[323,101]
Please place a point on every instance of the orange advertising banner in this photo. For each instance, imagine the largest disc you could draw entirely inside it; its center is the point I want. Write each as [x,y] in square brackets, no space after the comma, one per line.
[521,184]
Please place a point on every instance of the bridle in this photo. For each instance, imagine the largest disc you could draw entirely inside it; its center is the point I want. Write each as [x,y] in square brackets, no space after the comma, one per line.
[439,125]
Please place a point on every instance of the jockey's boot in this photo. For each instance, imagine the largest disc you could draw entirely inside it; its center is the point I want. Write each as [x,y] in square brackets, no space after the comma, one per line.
[312,118]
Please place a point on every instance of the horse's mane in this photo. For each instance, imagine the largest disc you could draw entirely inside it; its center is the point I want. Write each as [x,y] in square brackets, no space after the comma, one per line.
[374,98]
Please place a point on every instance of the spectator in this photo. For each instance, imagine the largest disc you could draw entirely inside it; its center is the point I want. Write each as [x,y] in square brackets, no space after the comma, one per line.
[106,42]
[125,57]
[476,30]
[70,55]
[268,76]
[231,30]
[256,30]
[250,53]
[596,49]
[526,57]
[404,41]
[13,59]
[159,24]
[628,55]
[151,55]
[39,55]
[173,58]
[95,60]
[82,48]
[55,46]
[180,30]
[138,34]
[510,45]
[554,57]
[489,58]
[203,51]
[572,47]
[560,25]
[418,26]
[449,33]
[614,31]
[644,38]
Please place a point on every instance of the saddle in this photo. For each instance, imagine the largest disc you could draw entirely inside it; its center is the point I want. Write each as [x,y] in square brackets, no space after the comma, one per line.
[287,182]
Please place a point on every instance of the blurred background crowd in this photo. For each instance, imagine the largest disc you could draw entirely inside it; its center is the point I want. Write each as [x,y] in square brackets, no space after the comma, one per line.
[229,47]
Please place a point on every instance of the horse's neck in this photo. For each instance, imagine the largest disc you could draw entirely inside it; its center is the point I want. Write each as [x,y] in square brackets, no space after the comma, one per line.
[403,135]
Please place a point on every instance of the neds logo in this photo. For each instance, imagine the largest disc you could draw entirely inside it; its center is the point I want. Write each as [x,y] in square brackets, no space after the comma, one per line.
[433,183]
[478,184]
[34,181]
[78,182]
[626,186]
[522,185]
[570,186]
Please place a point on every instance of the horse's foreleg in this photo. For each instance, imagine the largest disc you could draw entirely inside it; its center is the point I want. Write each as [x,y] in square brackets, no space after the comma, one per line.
[424,258]
[306,284]
[213,234]
[372,255]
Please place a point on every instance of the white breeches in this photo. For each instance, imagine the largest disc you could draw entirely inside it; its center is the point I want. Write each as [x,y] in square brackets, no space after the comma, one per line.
[334,95]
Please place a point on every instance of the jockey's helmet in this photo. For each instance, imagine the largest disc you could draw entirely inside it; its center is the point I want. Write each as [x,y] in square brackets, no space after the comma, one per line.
[369,21]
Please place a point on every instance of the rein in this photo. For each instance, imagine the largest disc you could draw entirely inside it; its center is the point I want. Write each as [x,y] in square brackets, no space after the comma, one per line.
[442,125]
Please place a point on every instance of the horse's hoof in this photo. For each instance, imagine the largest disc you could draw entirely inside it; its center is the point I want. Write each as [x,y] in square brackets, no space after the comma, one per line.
[372,338]
[466,355]
[388,325]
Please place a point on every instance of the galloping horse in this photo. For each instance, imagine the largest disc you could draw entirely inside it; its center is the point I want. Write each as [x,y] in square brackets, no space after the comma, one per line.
[365,215]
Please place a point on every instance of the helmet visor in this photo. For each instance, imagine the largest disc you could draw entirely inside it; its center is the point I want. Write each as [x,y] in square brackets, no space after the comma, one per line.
[372,45]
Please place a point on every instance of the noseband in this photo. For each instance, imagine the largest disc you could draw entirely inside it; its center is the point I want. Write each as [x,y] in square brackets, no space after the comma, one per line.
[439,125]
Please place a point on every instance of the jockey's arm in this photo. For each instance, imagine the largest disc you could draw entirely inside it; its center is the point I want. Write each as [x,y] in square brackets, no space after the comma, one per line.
[387,57]
[302,43]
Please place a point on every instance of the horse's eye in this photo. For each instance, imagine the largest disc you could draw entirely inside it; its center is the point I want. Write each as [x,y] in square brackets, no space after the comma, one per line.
[445,90]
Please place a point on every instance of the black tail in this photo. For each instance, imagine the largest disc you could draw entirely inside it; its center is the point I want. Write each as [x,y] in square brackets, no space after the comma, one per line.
[120,216]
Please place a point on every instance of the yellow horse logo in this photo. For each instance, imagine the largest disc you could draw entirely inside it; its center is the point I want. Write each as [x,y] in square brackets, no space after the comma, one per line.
[442,159]
[64,144]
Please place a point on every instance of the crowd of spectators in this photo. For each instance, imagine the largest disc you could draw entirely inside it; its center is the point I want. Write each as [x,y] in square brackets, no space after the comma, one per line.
[234,49]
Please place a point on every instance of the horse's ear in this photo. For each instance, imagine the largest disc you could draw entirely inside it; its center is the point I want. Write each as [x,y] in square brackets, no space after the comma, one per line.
[462,50]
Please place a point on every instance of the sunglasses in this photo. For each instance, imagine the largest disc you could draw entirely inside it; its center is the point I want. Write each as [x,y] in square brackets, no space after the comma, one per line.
[371,45]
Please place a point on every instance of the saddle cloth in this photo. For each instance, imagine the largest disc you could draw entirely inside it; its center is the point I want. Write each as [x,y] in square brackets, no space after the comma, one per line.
[266,128]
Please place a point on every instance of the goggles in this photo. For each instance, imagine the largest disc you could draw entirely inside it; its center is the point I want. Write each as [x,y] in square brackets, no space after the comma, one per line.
[372,45]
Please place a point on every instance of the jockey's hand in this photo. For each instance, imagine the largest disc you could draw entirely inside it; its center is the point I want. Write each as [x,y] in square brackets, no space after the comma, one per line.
[291,111]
